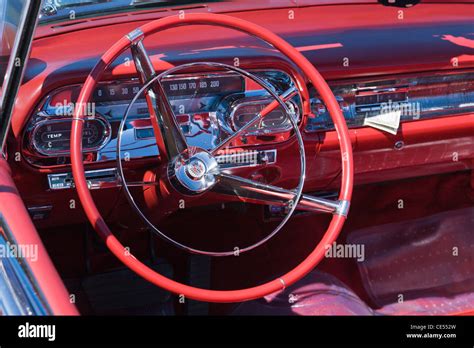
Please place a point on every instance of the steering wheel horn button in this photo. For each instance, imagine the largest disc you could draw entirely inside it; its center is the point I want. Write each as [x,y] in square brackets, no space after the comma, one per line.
[194,175]
[196,169]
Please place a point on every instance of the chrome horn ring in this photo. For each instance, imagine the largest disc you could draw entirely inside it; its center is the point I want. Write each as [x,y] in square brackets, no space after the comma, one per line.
[181,170]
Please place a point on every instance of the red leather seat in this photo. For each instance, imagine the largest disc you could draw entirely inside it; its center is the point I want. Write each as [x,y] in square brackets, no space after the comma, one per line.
[323,294]
[316,294]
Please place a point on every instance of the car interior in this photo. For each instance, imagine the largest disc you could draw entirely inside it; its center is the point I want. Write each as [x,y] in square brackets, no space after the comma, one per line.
[234,158]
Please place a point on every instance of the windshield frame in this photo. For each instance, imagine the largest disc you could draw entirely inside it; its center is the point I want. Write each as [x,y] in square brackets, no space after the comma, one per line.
[91,10]
[78,12]
[14,73]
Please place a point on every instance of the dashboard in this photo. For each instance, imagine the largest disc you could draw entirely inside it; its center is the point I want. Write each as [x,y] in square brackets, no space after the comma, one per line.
[417,76]
[212,106]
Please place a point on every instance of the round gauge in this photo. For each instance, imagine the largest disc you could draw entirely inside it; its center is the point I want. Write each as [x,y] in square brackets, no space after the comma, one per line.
[276,120]
[51,137]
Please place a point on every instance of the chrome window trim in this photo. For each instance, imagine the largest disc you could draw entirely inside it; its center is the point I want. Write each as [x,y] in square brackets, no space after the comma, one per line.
[24,286]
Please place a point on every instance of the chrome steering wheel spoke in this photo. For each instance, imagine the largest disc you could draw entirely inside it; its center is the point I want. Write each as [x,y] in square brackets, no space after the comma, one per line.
[261,193]
[252,191]
[169,137]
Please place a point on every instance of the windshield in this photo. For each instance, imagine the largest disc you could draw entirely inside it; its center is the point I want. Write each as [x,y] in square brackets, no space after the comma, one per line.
[10,16]
[17,24]
[61,10]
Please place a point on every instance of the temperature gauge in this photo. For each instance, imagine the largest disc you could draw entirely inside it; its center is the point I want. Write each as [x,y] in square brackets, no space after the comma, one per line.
[51,137]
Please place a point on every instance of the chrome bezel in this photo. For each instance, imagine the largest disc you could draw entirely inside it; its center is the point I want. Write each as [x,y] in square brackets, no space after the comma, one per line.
[265,130]
[59,119]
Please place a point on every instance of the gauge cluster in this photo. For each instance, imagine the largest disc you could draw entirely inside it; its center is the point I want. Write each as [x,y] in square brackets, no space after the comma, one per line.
[209,107]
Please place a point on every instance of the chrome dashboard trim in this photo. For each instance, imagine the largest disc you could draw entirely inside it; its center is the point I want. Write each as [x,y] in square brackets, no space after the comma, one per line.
[419,97]
[314,125]
[96,179]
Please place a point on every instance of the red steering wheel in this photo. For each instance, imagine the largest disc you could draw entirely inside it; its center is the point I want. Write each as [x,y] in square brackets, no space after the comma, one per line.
[133,40]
